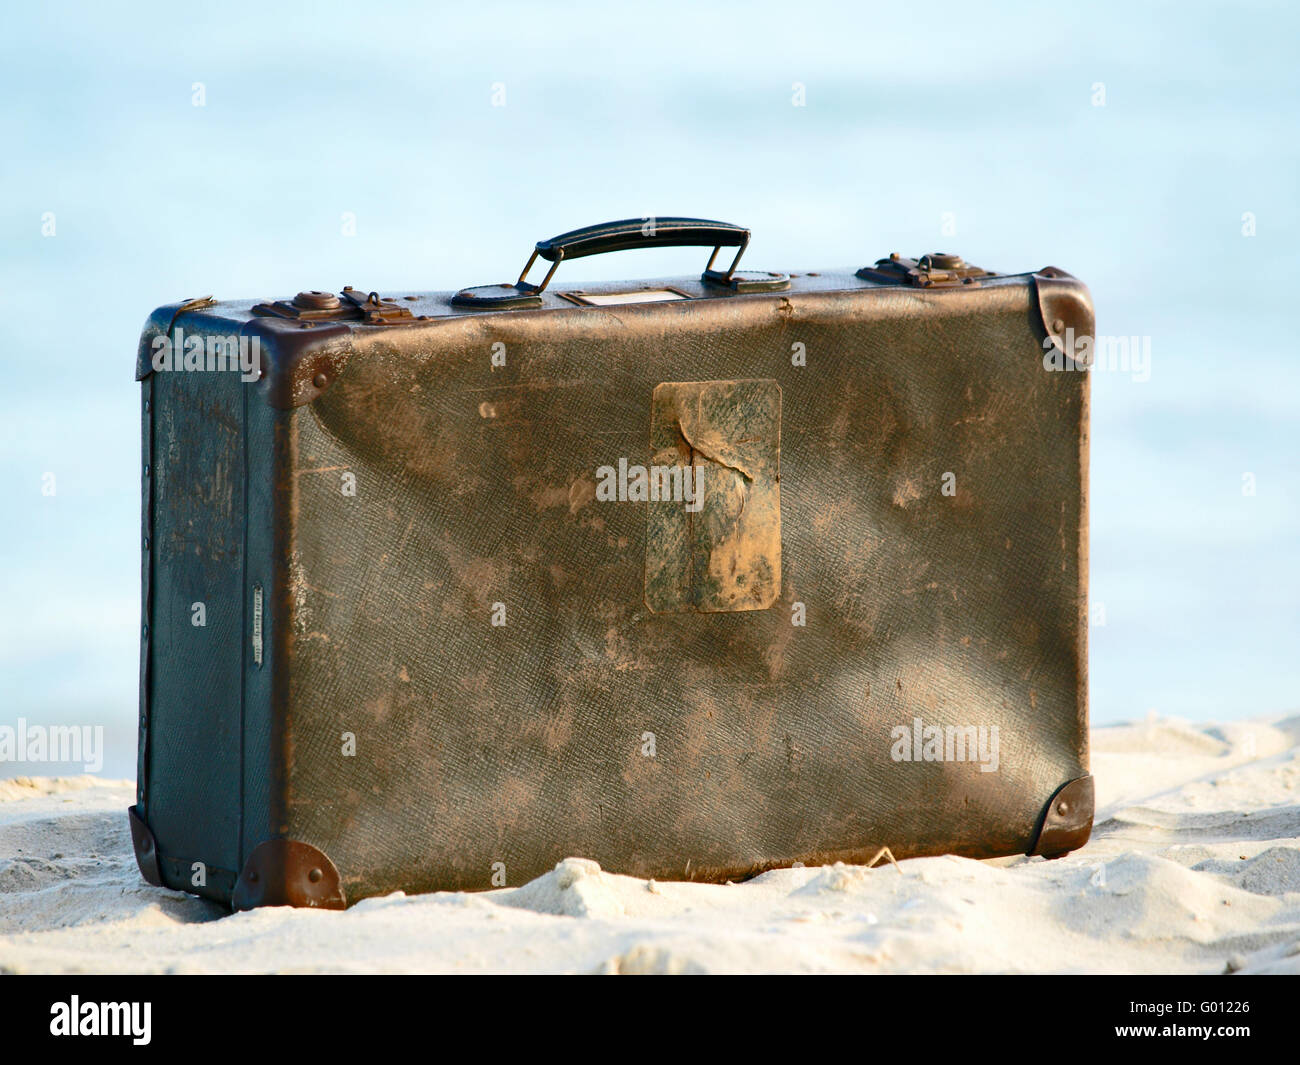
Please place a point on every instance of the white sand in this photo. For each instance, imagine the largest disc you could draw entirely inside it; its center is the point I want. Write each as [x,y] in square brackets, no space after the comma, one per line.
[1194,866]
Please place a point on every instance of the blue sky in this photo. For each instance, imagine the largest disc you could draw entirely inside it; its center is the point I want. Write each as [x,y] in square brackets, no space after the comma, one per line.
[984,113]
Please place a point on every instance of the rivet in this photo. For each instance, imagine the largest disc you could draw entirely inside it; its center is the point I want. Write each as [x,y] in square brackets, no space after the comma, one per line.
[144,630]
[252,877]
[1062,808]
[315,875]
[146,406]
[320,380]
[146,543]
[146,471]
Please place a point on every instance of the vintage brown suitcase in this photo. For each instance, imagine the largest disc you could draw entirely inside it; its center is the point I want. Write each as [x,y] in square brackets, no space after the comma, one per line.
[694,578]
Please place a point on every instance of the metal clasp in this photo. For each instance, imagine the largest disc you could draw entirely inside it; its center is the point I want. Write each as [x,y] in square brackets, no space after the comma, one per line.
[935,270]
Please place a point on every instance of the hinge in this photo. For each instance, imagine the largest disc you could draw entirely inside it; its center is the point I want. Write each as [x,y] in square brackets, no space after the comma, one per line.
[936,270]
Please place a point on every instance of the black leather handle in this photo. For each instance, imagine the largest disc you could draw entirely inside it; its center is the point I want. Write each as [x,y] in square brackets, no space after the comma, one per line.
[652,232]
[642,233]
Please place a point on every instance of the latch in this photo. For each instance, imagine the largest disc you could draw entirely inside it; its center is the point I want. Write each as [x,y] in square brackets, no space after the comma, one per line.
[936,270]
[351,306]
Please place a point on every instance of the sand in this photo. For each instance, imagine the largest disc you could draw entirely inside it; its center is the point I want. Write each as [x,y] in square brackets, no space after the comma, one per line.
[1194,866]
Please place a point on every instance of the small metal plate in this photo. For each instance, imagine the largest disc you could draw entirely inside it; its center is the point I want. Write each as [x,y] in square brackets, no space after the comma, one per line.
[615,299]
[496,297]
[747,280]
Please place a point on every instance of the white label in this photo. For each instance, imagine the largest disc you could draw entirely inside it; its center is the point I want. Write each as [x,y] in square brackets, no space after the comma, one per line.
[257,625]
[646,295]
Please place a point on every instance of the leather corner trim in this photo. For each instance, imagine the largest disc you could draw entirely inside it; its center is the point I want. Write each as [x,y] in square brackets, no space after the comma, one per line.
[284,872]
[1067,819]
[146,848]
[298,364]
[1065,307]
[160,324]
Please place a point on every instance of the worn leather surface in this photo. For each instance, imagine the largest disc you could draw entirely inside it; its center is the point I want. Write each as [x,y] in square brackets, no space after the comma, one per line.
[191,728]
[523,743]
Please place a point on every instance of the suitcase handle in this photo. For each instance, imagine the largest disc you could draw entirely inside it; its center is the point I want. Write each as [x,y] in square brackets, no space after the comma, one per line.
[639,233]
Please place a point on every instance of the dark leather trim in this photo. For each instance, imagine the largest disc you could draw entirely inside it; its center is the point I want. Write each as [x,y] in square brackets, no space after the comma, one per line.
[1065,305]
[298,360]
[160,324]
[284,872]
[298,364]
[1067,819]
[146,848]
[146,601]
[178,874]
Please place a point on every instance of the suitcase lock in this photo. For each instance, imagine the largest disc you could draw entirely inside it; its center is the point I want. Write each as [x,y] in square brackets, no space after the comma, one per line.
[352,306]
[936,270]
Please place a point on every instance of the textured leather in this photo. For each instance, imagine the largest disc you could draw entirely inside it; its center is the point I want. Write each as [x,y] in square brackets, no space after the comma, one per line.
[693,744]
[522,743]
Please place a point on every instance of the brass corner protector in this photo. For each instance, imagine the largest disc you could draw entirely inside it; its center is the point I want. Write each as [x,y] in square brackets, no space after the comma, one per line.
[1066,823]
[1065,308]
[146,848]
[284,872]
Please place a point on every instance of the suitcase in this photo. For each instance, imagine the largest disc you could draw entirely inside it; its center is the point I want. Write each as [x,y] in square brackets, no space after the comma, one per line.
[693,577]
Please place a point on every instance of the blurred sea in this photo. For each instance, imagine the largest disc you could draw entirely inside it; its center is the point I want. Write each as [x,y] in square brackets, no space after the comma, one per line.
[983,116]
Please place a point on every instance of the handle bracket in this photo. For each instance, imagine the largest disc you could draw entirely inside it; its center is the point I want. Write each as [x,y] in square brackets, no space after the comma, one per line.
[649,232]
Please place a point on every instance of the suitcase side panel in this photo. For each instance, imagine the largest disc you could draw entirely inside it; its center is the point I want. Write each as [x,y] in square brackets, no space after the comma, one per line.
[190,763]
[525,742]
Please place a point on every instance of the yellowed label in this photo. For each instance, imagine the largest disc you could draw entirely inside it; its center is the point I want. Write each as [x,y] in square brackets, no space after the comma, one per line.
[720,550]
